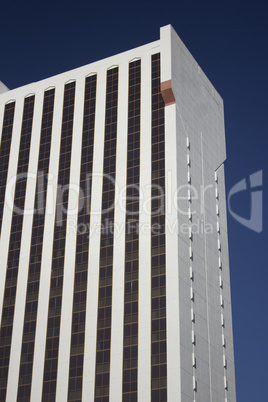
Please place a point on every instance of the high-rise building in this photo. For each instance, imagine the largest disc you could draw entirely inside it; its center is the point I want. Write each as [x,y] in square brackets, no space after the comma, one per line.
[114,254]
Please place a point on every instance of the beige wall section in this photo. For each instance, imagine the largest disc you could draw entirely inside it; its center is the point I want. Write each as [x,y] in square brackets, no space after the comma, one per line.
[199,117]
[228,351]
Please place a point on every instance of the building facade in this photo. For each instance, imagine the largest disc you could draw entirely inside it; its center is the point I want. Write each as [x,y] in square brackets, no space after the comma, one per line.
[114,253]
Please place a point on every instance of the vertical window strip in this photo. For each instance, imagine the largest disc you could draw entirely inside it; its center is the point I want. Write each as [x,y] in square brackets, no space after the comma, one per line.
[14,245]
[82,244]
[57,269]
[130,347]
[27,351]
[158,248]
[102,378]
[5,153]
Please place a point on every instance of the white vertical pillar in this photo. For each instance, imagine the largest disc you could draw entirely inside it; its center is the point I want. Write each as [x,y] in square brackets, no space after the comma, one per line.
[25,249]
[45,275]
[94,244]
[2,111]
[172,252]
[144,345]
[70,246]
[119,240]
[172,261]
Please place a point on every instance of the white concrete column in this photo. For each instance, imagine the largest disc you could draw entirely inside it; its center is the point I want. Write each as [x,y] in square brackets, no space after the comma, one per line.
[2,114]
[172,260]
[172,252]
[94,243]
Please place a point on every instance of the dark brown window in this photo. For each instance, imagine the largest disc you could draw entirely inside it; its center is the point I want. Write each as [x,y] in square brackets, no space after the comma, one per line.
[102,379]
[5,144]
[158,260]
[26,362]
[14,245]
[130,347]
[82,244]
[56,284]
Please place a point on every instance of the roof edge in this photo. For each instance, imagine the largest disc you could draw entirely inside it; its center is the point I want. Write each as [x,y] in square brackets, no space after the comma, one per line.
[3,88]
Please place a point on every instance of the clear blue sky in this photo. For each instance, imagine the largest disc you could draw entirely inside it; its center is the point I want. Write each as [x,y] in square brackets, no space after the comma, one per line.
[229,41]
